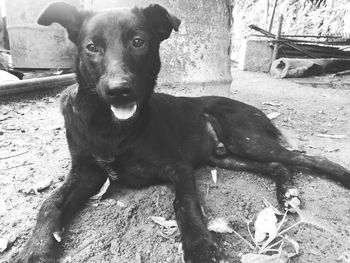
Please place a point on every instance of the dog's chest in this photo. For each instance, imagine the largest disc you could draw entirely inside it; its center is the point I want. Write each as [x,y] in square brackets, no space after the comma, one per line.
[108,165]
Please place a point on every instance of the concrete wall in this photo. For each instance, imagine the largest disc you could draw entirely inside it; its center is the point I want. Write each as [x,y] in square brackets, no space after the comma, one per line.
[35,46]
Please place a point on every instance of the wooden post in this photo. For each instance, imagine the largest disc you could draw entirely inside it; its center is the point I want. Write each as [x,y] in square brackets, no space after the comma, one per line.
[267,13]
[272,15]
[278,36]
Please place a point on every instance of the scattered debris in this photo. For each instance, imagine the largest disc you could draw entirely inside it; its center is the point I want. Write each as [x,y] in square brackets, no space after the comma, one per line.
[214,176]
[4,243]
[3,208]
[259,258]
[38,187]
[344,257]
[121,204]
[25,110]
[14,155]
[273,115]
[67,259]
[25,163]
[4,118]
[138,257]
[271,103]
[43,185]
[333,150]
[332,136]
[57,236]
[163,222]
[219,225]
[169,227]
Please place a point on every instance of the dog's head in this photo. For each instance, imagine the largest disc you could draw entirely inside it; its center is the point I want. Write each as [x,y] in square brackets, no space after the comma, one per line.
[118,50]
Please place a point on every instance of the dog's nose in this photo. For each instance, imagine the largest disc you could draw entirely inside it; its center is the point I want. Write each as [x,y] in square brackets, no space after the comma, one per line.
[118,88]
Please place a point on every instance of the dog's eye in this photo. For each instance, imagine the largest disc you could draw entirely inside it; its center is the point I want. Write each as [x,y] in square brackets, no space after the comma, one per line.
[92,48]
[138,42]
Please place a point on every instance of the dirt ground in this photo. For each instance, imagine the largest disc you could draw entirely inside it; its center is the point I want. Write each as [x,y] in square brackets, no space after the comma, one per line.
[119,229]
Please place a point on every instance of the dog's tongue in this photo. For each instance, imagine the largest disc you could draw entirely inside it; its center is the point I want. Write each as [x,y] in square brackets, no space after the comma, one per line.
[124,112]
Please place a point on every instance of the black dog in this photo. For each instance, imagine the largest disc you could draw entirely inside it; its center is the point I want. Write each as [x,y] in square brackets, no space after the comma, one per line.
[115,124]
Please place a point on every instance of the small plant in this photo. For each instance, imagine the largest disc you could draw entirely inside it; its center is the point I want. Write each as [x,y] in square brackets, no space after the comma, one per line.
[270,240]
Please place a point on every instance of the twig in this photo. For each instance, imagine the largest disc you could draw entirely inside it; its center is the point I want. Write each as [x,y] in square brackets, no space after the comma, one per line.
[157,200]
[5,145]
[274,244]
[282,221]
[342,73]
[250,233]
[15,155]
[20,165]
[289,228]
[5,118]
[245,241]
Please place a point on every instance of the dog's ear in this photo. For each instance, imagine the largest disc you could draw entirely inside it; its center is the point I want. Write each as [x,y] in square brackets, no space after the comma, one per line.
[161,20]
[66,15]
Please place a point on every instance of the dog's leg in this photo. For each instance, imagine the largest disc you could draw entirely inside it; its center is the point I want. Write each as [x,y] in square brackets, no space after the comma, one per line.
[198,244]
[287,194]
[84,180]
[320,165]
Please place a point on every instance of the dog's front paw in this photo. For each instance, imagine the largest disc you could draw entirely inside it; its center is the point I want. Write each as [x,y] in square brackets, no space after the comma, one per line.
[37,251]
[204,250]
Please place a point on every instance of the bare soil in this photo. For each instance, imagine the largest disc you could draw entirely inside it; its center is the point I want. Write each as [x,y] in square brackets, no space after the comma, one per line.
[118,228]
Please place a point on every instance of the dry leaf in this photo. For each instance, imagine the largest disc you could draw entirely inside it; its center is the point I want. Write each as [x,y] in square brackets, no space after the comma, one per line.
[258,258]
[219,225]
[169,226]
[163,222]
[265,225]
[102,191]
